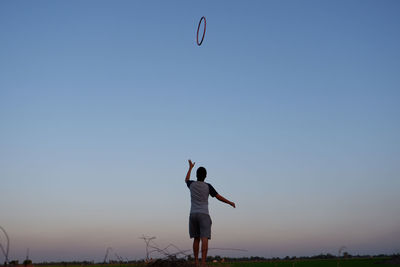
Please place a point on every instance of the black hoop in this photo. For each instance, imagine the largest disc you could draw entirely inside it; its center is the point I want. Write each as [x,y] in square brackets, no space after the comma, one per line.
[204,32]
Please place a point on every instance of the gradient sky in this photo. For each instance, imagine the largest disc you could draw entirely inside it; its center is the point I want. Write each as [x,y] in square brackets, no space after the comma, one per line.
[292,106]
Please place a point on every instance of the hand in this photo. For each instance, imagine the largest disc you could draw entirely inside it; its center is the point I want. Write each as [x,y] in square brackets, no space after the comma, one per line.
[191,164]
[233,204]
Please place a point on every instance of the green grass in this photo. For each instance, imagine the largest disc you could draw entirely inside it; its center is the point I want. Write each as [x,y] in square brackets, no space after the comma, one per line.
[360,262]
[89,265]
[315,263]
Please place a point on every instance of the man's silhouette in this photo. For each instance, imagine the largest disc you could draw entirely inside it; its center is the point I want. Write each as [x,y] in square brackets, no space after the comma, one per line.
[199,220]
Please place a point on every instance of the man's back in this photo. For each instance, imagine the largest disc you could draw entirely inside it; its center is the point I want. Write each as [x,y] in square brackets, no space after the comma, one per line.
[199,192]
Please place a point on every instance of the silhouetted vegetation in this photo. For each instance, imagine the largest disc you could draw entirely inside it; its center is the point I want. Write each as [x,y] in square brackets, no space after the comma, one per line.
[321,260]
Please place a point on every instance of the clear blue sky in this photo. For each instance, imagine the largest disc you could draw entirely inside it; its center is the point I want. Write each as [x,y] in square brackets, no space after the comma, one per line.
[292,106]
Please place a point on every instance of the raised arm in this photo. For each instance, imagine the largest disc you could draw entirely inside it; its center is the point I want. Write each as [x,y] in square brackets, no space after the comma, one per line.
[221,198]
[191,165]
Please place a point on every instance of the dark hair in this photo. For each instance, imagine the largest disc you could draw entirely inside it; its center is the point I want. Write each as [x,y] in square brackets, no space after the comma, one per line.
[201,174]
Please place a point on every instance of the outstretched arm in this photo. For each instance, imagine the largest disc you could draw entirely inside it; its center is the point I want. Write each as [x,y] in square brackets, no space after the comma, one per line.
[191,165]
[221,198]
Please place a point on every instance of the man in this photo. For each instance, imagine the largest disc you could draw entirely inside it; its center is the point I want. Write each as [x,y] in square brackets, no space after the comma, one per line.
[199,220]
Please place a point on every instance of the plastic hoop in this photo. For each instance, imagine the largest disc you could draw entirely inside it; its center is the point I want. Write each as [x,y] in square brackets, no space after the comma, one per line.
[204,32]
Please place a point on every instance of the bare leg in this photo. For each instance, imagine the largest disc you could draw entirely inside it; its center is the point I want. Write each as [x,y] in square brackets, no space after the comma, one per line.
[196,245]
[204,249]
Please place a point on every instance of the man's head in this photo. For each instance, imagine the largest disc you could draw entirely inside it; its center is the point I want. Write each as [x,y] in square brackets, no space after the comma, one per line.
[201,174]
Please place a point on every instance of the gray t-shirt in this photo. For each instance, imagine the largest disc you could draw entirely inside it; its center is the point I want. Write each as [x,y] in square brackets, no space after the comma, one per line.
[199,192]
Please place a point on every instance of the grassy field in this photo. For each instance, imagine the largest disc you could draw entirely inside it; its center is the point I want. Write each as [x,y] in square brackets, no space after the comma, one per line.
[375,262]
[317,263]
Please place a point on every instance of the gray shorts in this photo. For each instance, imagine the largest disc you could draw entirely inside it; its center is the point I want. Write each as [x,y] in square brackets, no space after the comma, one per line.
[200,225]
